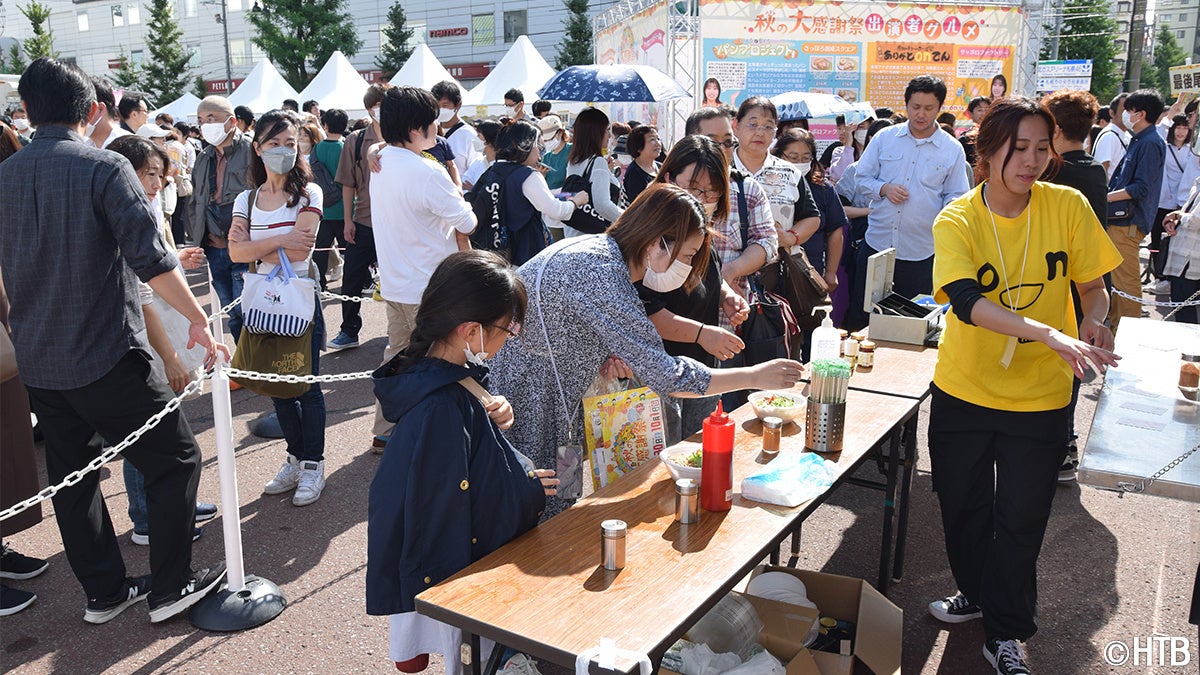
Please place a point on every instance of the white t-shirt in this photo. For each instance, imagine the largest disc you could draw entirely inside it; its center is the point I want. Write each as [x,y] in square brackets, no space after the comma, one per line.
[1111,144]
[415,211]
[264,224]
[475,170]
[462,142]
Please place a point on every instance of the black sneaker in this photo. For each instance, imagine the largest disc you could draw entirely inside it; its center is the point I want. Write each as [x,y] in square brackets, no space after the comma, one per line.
[205,511]
[104,610]
[13,600]
[1006,656]
[198,586]
[1068,471]
[13,565]
[955,609]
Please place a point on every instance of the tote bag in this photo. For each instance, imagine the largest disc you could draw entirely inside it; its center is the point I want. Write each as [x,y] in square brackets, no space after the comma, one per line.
[279,303]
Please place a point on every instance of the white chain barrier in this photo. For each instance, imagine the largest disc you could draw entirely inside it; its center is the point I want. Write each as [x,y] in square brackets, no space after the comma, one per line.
[1190,302]
[297,379]
[75,476]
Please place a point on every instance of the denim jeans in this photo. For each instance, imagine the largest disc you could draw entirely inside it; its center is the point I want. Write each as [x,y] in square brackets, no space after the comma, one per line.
[135,489]
[227,282]
[302,419]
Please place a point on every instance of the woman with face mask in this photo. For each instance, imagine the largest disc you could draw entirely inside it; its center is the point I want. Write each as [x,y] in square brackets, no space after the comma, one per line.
[485,148]
[584,309]
[284,212]
[589,147]
[824,250]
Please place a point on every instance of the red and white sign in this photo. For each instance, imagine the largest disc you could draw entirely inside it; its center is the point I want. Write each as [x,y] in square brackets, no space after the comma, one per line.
[448,32]
[469,71]
[220,86]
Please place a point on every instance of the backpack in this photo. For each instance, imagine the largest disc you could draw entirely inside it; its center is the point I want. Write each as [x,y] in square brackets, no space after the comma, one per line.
[331,192]
[486,199]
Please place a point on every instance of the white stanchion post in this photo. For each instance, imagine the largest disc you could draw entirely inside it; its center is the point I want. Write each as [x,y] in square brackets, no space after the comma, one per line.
[231,522]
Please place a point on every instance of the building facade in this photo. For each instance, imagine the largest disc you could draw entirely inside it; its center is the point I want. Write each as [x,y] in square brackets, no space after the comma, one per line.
[1182,18]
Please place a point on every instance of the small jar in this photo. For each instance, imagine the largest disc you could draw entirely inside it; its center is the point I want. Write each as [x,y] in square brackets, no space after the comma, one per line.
[687,501]
[850,352]
[612,541]
[858,336]
[866,355]
[1189,375]
[843,335]
[772,431]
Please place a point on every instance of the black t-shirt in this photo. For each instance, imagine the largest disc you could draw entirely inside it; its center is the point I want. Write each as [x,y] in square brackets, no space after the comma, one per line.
[636,180]
[1082,172]
[703,304]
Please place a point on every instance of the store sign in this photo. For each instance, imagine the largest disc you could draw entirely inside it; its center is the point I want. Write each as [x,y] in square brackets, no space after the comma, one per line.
[469,71]
[1184,78]
[1057,75]
[448,32]
[219,86]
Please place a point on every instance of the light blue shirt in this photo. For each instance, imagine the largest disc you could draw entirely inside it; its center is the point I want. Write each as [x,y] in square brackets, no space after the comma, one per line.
[933,170]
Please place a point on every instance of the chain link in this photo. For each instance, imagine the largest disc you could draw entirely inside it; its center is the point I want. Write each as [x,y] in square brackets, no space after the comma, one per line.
[75,476]
[1140,486]
[1190,302]
[326,295]
[224,311]
[297,379]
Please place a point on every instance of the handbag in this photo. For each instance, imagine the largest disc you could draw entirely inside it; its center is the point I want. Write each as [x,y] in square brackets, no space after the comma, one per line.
[768,329]
[795,278]
[1119,211]
[585,219]
[279,303]
[282,355]
[622,431]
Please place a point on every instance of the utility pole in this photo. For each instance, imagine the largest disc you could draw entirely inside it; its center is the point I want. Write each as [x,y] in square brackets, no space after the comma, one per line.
[228,64]
[1056,6]
[1137,45]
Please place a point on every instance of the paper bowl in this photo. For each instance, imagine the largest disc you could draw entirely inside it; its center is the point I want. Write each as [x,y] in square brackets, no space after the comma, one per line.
[788,414]
[678,470]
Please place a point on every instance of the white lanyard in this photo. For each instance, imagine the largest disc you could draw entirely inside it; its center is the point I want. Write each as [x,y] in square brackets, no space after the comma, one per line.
[1011,348]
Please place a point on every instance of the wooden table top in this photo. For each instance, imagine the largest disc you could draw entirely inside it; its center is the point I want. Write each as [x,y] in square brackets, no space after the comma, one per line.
[900,370]
[546,592]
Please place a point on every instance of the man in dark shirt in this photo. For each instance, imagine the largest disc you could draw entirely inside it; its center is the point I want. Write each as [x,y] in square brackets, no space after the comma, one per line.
[1138,179]
[76,234]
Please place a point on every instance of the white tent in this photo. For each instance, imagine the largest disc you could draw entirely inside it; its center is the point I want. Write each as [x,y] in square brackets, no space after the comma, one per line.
[521,68]
[182,108]
[422,69]
[338,85]
[263,89]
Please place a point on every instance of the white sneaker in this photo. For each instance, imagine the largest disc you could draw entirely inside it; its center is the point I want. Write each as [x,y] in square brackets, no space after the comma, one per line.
[286,479]
[1160,287]
[519,664]
[310,483]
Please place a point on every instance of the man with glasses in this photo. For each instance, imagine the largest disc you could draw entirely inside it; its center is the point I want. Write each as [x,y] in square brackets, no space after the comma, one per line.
[909,172]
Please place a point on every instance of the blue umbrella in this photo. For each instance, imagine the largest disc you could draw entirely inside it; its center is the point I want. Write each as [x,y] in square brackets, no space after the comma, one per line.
[795,105]
[612,84]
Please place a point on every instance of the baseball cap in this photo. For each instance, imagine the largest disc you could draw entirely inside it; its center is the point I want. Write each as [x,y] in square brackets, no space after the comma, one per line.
[152,131]
[549,125]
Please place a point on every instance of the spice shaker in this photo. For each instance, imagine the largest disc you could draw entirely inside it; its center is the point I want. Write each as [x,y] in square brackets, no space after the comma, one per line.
[687,501]
[612,541]
[1189,375]
[772,430]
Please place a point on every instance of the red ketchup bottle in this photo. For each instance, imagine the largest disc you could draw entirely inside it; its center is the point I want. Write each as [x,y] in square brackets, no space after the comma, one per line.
[716,465]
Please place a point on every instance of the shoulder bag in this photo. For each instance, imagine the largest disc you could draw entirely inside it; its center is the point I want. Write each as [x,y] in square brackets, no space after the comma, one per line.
[585,219]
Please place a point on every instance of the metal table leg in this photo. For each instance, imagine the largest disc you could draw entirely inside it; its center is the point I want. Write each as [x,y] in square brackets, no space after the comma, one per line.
[910,464]
[889,508]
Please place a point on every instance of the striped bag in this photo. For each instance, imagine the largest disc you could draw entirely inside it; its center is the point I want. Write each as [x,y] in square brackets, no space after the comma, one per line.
[279,303]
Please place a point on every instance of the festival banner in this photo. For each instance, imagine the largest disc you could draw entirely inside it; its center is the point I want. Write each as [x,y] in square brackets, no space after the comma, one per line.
[639,40]
[861,51]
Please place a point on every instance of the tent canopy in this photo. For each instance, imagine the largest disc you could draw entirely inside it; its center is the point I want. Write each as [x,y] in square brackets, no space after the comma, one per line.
[263,89]
[181,108]
[338,85]
[521,68]
[422,69]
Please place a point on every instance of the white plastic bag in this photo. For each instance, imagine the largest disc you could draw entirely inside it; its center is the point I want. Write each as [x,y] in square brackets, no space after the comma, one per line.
[789,480]
[605,655]
[700,659]
[761,663]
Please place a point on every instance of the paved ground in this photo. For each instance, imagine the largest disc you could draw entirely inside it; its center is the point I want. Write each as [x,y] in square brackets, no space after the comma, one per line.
[1112,569]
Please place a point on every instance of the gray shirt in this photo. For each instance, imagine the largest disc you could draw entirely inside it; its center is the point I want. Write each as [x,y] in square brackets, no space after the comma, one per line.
[75,229]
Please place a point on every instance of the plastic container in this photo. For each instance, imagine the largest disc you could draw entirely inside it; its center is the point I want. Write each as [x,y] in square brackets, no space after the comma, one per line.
[772,430]
[826,342]
[716,466]
[731,627]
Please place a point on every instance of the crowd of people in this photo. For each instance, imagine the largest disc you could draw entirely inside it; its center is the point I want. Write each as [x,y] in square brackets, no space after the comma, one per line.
[520,259]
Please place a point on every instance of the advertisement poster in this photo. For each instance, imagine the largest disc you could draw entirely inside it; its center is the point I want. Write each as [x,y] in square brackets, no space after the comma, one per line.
[861,51]
[639,40]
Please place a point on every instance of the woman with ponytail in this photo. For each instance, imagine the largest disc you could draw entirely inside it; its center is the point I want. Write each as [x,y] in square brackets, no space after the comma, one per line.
[450,489]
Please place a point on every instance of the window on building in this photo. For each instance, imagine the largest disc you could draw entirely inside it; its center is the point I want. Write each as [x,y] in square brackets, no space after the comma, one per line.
[137,58]
[1124,7]
[118,15]
[420,34]
[187,8]
[133,14]
[81,20]
[195,61]
[1180,34]
[233,5]
[237,52]
[1183,19]
[1123,26]
[1122,45]
[256,53]
[483,30]
[516,24]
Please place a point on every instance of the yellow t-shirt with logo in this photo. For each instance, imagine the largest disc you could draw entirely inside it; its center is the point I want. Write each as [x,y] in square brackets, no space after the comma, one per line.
[1066,243]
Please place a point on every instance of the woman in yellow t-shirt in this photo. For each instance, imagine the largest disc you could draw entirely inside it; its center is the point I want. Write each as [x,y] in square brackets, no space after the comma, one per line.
[1005,256]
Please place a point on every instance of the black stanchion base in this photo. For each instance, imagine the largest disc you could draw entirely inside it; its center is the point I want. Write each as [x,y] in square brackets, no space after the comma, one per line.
[267,426]
[225,611]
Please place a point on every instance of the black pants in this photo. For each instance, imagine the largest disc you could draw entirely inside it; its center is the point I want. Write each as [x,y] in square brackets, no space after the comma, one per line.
[1160,245]
[329,232]
[167,455]
[911,278]
[1182,289]
[995,474]
[356,274]
[179,220]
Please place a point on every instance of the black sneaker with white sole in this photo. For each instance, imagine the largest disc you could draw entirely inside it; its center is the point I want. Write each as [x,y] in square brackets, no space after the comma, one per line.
[199,585]
[13,600]
[955,609]
[1006,656]
[13,565]
[1070,466]
[103,610]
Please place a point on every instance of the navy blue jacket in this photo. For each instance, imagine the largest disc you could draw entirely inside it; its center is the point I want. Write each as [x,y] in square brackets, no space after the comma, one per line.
[1140,174]
[449,489]
[527,234]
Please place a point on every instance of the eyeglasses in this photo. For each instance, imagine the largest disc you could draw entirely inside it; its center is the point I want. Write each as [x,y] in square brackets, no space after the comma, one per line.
[513,329]
[755,128]
[702,194]
[727,143]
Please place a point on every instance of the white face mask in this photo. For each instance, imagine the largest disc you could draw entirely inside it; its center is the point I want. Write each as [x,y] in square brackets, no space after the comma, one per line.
[92,124]
[305,147]
[21,124]
[477,144]
[214,132]
[472,357]
[1126,120]
[803,167]
[710,209]
[860,136]
[671,279]
[553,145]
[510,110]
[279,160]
[374,114]
[624,159]
[445,115]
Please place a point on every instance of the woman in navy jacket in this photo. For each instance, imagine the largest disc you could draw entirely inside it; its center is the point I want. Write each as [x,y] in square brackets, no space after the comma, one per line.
[449,489]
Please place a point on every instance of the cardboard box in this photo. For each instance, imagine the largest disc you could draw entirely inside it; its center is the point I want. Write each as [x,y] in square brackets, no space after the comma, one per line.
[892,316]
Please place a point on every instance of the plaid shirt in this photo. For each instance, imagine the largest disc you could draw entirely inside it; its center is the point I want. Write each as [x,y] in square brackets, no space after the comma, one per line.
[75,229]
[727,245]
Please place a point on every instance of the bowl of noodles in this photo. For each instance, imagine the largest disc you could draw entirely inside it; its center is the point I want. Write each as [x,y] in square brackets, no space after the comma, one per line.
[788,406]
